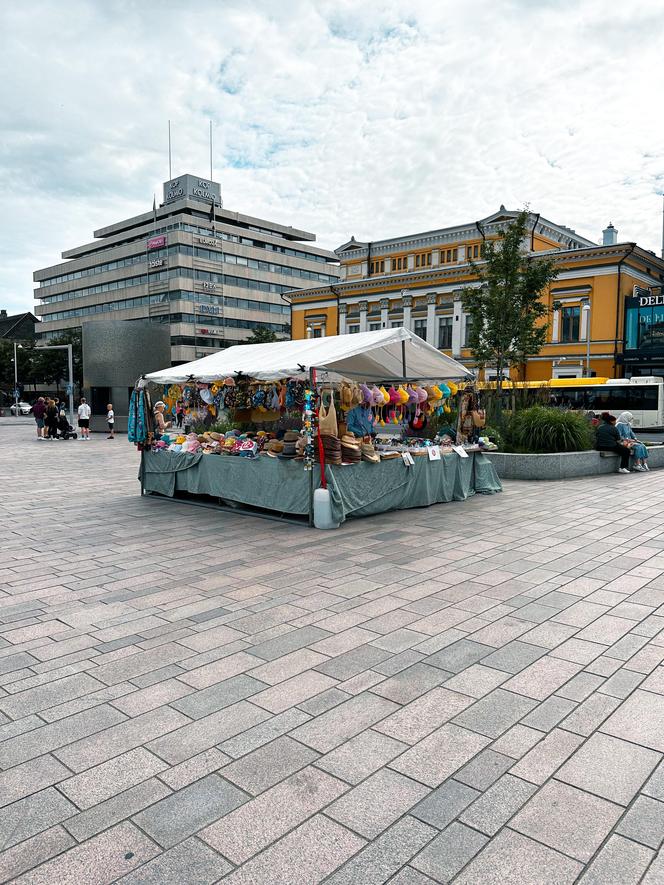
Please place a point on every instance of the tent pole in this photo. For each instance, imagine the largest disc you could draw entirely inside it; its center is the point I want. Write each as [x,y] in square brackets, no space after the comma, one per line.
[403,359]
[312,382]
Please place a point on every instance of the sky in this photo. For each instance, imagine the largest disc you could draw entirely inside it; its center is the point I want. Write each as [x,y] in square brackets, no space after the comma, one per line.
[371,119]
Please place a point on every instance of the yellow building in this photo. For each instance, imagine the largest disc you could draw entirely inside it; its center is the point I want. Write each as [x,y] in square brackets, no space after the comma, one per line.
[417,280]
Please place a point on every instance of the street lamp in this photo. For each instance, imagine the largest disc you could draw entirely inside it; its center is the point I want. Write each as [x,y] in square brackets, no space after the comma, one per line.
[16,391]
[586,309]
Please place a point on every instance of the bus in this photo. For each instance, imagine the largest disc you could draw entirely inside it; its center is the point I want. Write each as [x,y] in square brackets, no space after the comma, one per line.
[642,396]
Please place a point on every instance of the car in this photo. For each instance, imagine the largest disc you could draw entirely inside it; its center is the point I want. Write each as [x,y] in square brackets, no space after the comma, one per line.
[20,408]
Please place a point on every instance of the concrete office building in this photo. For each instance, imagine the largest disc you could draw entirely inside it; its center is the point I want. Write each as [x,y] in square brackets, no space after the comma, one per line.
[211,274]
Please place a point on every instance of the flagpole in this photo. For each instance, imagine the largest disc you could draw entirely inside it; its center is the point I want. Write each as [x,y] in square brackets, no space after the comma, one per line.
[170,171]
[210,151]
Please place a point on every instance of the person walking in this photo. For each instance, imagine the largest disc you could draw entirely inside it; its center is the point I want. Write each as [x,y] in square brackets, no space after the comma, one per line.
[110,420]
[39,411]
[609,440]
[51,419]
[84,412]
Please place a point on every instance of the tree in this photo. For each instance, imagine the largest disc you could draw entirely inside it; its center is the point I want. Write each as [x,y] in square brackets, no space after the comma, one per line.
[509,318]
[51,365]
[262,336]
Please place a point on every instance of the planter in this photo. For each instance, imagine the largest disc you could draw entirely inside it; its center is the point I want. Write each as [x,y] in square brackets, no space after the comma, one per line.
[563,465]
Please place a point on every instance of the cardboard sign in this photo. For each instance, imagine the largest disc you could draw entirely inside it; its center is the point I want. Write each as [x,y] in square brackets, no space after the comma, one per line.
[461,452]
[434,453]
[407,459]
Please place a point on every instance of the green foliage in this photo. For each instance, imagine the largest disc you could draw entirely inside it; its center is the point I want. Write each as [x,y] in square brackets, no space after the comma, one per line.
[261,336]
[508,317]
[51,365]
[539,430]
[218,427]
[493,433]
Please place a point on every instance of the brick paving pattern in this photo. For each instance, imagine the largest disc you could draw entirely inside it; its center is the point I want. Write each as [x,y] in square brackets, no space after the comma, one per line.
[471,693]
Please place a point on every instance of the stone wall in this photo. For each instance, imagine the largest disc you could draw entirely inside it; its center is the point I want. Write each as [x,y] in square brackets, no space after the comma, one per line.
[564,465]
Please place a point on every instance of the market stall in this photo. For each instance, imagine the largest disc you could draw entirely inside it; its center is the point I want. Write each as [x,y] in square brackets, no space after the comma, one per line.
[385,387]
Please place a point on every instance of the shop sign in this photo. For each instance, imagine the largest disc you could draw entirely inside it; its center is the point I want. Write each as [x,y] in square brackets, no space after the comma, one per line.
[208,308]
[156,242]
[651,300]
[209,331]
[156,262]
[207,285]
[207,241]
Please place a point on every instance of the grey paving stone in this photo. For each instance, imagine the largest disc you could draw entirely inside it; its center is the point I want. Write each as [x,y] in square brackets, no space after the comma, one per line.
[444,804]
[31,815]
[644,822]
[495,713]
[622,683]
[377,802]
[266,766]
[639,719]
[549,713]
[57,734]
[190,739]
[423,715]
[609,767]
[580,686]
[512,858]
[620,862]
[484,769]
[590,714]
[655,786]
[410,683]
[517,741]
[261,734]
[498,804]
[251,828]
[547,756]
[359,757]
[33,852]
[190,862]
[352,662]
[218,696]
[112,777]
[514,657]
[439,755]
[183,813]
[449,852]
[542,678]
[117,739]
[395,664]
[101,860]
[410,876]
[40,698]
[308,854]
[324,701]
[567,819]
[22,780]
[194,769]
[332,728]
[295,690]
[383,857]
[459,655]
[119,807]
[476,681]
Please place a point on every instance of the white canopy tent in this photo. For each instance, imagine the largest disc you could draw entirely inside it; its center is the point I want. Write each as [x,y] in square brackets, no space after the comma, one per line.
[389,354]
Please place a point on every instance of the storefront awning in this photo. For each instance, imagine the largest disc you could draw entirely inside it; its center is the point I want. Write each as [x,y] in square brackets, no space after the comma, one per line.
[389,354]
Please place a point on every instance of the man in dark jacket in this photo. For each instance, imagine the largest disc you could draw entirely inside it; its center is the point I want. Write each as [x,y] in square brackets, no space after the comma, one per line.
[39,410]
[609,440]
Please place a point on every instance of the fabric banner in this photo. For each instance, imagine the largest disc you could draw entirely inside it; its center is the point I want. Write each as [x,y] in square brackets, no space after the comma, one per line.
[356,490]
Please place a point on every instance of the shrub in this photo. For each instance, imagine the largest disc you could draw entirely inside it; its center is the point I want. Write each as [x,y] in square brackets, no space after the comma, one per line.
[539,430]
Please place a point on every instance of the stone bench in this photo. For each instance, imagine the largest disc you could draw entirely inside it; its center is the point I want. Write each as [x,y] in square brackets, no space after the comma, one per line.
[563,465]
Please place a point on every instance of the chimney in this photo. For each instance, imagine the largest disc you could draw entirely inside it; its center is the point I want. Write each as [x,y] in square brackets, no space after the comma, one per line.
[609,236]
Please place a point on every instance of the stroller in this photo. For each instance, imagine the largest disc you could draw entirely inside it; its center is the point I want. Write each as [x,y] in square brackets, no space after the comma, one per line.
[65,430]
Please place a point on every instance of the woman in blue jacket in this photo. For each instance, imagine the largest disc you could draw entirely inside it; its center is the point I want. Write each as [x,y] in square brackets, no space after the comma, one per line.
[638,450]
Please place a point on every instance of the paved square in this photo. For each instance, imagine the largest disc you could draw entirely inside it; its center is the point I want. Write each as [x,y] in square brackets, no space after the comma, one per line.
[188,695]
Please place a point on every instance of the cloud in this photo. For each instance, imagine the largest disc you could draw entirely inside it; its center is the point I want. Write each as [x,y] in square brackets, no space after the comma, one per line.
[370,119]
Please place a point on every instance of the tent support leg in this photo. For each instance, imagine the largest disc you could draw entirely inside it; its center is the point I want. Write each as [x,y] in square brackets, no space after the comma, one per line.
[142,468]
[403,359]
[312,381]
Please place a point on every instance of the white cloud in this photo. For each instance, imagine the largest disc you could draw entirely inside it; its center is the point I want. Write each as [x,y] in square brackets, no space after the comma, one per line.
[370,119]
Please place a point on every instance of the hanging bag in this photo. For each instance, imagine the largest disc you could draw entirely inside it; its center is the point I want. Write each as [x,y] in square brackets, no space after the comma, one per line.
[327,419]
[479,418]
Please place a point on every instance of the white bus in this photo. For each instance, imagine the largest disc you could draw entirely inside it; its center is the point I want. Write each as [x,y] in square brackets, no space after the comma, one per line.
[642,396]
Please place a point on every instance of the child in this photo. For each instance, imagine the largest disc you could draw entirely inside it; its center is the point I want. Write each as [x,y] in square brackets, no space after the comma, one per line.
[84,412]
[110,420]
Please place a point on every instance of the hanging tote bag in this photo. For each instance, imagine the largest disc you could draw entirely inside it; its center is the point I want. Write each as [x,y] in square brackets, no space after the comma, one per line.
[327,419]
[479,418]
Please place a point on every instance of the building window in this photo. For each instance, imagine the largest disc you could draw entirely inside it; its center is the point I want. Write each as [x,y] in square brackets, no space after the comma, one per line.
[420,328]
[400,263]
[571,317]
[445,332]
[448,256]
[423,259]
[378,266]
[374,327]
[467,331]
[473,250]
[353,329]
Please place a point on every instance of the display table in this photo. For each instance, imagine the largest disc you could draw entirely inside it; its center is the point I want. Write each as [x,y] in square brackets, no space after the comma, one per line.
[283,486]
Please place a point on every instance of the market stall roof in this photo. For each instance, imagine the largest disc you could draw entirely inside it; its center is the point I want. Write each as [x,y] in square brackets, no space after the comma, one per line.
[369,356]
